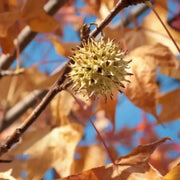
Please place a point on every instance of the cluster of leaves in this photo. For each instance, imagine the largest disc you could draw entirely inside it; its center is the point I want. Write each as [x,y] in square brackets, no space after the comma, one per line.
[53,141]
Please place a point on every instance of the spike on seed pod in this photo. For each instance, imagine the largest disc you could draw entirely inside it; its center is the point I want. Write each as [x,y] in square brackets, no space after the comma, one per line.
[98,68]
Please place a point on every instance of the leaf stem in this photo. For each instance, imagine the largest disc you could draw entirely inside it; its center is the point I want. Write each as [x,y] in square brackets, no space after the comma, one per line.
[98,133]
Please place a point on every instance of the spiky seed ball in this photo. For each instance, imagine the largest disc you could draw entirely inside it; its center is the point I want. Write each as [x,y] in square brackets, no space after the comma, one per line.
[98,67]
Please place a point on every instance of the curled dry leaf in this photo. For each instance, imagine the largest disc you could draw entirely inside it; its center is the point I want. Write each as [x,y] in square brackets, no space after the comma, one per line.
[143,89]
[155,32]
[170,103]
[54,150]
[133,166]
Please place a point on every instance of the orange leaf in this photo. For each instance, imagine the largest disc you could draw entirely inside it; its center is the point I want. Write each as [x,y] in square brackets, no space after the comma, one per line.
[154,30]
[142,89]
[51,150]
[90,156]
[34,14]
[133,166]
[62,48]
[7,19]
[170,106]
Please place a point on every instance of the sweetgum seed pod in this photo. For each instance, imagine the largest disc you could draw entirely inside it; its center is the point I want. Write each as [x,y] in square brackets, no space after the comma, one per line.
[98,68]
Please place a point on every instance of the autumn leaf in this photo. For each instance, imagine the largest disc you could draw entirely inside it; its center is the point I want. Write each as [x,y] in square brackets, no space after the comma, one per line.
[54,150]
[62,48]
[142,89]
[170,106]
[90,157]
[61,107]
[36,17]
[130,38]
[133,166]
[155,32]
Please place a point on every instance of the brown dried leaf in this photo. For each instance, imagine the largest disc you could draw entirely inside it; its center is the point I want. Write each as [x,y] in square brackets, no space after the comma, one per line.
[170,106]
[7,19]
[133,166]
[173,174]
[35,16]
[62,48]
[143,90]
[90,156]
[54,150]
[154,30]
[130,38]
[29,80]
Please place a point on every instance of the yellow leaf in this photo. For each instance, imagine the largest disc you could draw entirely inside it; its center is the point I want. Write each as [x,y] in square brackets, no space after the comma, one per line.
[52,150]
[90,157]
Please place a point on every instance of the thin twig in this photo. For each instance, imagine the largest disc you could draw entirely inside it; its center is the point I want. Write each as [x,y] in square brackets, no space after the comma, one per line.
[58,85]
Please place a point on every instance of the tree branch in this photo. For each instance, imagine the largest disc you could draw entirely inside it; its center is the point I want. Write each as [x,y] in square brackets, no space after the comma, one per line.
[58,85]
[26,35]
[20,108]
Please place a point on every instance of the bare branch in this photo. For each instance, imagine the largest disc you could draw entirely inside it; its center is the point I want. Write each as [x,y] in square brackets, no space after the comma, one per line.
[20,108]
[26,35]
[58,85]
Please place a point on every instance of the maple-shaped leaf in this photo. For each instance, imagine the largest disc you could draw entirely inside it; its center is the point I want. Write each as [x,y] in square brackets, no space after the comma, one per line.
[143,89]
[133,166]
[51,150]
[155,32]
[34,15]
